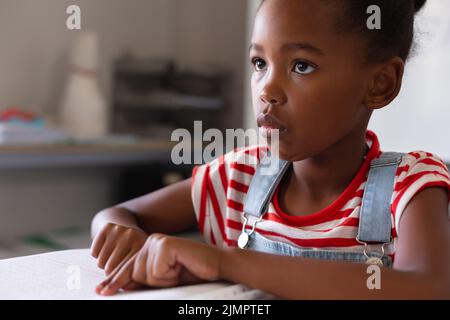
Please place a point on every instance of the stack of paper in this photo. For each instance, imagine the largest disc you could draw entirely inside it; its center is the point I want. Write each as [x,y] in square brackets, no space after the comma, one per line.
[21,133]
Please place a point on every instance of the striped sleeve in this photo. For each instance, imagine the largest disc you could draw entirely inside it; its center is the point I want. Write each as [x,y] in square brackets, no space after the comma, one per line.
[217,191]
[417,171]
[208,191]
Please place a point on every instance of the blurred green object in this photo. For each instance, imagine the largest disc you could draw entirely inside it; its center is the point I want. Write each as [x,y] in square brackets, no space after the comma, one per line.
[61,239]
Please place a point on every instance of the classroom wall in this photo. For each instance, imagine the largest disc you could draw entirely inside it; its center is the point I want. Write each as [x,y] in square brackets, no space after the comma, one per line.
[33,54]
[249,117]
[214,32]
[419,119]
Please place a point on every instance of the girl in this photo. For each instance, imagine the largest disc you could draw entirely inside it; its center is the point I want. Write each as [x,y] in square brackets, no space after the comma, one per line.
[337,200]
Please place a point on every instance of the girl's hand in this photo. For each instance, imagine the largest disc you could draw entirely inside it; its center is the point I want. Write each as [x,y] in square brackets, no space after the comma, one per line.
[165,261]
[115,244]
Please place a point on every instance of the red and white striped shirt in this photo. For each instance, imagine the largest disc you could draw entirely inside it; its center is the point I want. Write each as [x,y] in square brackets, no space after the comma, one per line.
[219,189]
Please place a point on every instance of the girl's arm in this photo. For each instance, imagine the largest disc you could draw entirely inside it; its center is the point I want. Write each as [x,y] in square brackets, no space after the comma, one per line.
[167,210]
[119,232]
[421,269]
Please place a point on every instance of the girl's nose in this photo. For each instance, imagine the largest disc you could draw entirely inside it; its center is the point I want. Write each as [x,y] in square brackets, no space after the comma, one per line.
[267,99]
[272,94]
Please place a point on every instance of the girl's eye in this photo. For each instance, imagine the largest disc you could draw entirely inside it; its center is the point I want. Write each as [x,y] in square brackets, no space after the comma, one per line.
[301,67]
[259,64]
[304,67]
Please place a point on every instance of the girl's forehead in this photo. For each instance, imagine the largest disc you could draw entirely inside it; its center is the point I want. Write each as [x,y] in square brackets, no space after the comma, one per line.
[294,11]
[285,21]
[304,23]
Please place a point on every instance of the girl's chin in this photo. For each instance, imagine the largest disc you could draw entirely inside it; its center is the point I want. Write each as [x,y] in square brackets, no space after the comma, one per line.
[284,152]
[268,133]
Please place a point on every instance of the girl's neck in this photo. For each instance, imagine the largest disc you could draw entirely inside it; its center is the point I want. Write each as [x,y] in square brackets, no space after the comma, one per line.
[328,174]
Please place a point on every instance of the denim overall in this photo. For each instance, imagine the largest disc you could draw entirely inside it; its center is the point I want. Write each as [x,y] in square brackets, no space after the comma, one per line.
[374,220]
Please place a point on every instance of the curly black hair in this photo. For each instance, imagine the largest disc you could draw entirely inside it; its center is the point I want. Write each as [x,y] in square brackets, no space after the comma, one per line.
[394,38]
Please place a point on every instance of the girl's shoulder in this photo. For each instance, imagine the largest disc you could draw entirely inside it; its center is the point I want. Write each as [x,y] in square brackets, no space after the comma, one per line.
[420,169]
[417,171]
[415,162]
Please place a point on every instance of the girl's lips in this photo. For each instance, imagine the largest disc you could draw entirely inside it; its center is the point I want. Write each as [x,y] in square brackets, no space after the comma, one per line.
[271,127]
[269,132]
[268,123]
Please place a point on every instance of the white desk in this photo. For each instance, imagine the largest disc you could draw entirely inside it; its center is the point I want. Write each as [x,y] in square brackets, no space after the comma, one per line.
[73,275]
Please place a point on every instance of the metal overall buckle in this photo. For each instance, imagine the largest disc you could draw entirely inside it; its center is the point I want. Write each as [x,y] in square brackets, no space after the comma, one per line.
[374,260]
[244,237]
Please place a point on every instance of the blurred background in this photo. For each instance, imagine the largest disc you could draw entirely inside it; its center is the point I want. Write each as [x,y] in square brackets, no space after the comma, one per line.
[86,114]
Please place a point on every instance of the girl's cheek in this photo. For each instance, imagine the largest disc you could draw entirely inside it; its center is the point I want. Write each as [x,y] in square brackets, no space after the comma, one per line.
[255,91]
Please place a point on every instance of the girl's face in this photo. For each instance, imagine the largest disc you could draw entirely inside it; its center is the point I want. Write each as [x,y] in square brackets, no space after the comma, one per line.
[308,79]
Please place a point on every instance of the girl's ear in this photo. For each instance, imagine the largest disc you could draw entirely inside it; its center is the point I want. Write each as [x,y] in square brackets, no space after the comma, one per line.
[385,83]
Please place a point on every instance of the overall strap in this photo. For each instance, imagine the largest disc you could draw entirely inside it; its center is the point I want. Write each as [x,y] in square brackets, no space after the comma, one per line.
[375,215]
[263,185]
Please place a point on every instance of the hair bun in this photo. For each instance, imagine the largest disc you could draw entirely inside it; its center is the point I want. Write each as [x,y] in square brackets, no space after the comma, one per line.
[418,4]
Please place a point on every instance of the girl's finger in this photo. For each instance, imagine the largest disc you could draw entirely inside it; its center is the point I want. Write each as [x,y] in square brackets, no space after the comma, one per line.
[98,242]
[105,282]
[133,285]
[117,256]
[151,253]
[122,262]
[140,267]
[105,252]
[120,280]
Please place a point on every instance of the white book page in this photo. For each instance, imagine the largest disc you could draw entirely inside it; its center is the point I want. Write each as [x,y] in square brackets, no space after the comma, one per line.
[73,274]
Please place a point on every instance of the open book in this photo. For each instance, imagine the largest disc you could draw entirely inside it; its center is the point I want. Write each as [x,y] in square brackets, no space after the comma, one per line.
[73,274]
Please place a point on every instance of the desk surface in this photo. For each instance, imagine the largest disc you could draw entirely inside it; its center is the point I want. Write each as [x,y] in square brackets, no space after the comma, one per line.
[73,274]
